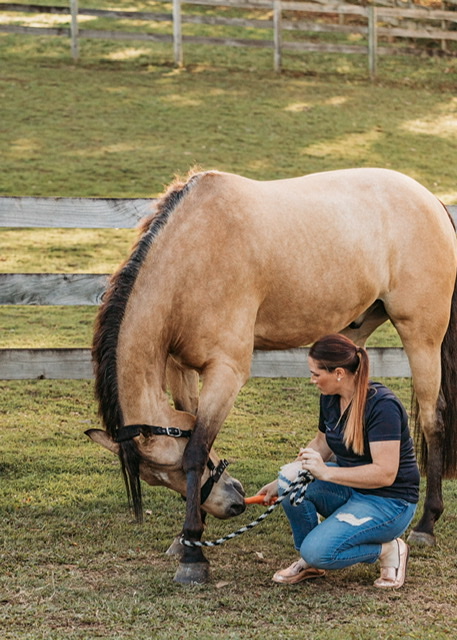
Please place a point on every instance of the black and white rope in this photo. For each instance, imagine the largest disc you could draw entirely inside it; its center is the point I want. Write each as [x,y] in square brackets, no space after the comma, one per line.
[296,490]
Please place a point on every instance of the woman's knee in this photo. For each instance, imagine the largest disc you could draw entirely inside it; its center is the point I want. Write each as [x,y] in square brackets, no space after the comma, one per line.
[316,554]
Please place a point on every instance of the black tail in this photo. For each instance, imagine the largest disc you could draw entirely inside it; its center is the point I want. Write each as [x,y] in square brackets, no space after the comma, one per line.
[447,402]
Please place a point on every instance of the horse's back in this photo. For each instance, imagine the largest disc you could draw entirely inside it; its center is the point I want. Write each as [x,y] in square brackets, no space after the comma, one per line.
[372,220]
[344,200]
[286,259]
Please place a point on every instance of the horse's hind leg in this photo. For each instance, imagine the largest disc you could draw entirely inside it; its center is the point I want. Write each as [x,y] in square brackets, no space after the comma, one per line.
[183,384]
[362,328]
[425,363]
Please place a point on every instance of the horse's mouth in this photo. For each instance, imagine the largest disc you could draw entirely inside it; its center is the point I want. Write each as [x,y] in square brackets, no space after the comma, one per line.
[236,509]
[238,506]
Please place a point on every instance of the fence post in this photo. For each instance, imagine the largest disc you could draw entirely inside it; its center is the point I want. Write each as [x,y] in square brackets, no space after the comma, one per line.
[372,40]
[277,35]
[177,33]
[444,26]
[74,32]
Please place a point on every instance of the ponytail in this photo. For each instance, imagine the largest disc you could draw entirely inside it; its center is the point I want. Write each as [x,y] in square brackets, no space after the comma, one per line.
[335,351]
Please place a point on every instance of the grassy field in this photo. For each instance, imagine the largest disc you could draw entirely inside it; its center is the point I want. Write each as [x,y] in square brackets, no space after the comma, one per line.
[75,565]
[121,123]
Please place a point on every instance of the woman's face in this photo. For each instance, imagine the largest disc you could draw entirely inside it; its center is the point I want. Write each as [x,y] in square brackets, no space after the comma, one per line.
[326,381]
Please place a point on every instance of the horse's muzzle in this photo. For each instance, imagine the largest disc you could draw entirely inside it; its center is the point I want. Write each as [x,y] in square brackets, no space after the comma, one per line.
[236,509]
[238,505]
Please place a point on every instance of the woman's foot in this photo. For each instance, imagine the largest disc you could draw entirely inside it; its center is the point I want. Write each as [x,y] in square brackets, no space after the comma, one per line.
[297,572]
[394,561]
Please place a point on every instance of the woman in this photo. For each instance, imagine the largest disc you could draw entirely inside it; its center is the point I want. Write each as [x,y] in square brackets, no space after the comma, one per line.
[368,496]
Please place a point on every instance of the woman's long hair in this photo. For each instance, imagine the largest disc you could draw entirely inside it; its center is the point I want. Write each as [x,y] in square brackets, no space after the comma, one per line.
[333,351]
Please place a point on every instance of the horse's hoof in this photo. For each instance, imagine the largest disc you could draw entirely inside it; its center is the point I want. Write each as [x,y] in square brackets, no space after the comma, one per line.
[176,548]
[192,573]
[421,539]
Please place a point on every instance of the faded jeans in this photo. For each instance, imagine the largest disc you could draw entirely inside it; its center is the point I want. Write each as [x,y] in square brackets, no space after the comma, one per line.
[354,528]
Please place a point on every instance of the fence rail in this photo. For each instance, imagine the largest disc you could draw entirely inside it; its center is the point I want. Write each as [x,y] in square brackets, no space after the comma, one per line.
[87,289]
[376,22]
[76,364]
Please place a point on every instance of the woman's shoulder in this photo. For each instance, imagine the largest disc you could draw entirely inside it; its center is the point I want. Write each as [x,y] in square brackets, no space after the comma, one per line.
[377,390]
[379,394]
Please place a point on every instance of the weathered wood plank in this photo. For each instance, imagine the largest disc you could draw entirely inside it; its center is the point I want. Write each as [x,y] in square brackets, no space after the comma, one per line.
[107,34]
[53,364]
[32,8]
[324,47]
[237,4]
[75,364]
[84,213]
[318,27]
[60,289]
[293,363]
[35,31]
[328,7]
[418,13]
[429,33]
[230,42]
[229,22]
[81,213]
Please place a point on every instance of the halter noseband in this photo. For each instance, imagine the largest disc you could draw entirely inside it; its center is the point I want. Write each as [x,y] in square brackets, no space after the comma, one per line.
[132,430]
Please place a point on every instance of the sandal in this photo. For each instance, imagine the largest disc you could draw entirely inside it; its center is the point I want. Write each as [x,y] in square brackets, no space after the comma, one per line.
[297,572]
[394,577]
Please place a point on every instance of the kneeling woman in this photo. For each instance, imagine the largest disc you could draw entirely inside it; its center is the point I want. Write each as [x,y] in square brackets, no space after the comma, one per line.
[368,496]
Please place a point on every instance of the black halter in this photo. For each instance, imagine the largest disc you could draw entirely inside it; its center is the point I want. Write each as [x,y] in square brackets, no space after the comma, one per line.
[132,430]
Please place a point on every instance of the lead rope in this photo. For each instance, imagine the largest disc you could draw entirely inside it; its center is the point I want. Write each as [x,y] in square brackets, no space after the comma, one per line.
[296,490]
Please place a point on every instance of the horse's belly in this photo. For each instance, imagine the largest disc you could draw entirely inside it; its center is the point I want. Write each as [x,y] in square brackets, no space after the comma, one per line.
[290,319]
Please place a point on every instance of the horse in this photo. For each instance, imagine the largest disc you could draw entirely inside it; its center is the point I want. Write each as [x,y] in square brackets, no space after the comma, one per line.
[226,265]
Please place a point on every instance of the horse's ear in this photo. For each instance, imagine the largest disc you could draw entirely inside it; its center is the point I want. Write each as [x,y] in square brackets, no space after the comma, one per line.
[100,436]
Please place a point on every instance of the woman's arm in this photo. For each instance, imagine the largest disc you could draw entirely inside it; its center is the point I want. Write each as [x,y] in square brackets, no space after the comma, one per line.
[318,444]
[379,473]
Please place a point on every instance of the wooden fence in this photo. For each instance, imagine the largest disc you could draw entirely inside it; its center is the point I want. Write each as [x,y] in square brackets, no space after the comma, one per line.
[373,23]
[87,289]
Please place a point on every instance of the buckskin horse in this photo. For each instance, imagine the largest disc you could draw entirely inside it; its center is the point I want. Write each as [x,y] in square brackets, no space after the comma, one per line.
[228,264]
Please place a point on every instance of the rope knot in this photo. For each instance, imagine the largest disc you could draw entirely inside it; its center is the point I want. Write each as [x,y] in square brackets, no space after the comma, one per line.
[298,488]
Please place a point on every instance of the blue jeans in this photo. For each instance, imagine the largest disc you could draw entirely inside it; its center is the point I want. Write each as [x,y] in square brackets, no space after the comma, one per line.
[354,528]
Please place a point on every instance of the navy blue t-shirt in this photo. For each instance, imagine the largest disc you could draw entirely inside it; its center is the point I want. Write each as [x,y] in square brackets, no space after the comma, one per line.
[385,419]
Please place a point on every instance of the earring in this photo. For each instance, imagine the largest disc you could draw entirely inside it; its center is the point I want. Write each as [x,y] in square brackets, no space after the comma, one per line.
[339,379]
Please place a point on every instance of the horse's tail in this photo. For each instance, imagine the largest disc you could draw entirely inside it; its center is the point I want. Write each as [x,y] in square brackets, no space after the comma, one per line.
[447,401]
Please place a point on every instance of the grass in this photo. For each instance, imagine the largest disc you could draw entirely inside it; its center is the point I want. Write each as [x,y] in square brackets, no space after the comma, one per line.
[74,565]
[121,123]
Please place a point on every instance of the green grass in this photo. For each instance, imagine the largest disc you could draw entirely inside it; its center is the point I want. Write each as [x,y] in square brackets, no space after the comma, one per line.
[121,123]
[74,565]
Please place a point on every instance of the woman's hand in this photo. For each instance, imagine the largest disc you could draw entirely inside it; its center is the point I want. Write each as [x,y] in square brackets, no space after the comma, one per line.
[312,461]
[269,491]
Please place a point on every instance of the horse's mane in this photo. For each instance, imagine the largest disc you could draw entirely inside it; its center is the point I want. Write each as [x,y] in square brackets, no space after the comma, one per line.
[106,334]
[112,309]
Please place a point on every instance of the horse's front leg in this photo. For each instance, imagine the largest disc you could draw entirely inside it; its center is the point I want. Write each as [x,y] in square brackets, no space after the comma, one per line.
[194,567]
[177,548]
[221,386]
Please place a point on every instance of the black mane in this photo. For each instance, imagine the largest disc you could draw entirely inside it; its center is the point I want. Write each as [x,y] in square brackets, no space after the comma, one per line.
[112,309]
[106,334]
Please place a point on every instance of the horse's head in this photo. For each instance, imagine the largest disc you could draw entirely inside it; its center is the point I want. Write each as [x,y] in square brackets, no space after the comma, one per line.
[157,459]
